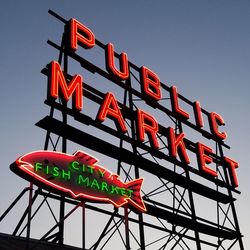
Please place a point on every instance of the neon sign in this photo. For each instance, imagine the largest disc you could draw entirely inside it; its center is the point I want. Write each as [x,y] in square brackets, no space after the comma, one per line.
[110,105]
[151,90]
[78,176]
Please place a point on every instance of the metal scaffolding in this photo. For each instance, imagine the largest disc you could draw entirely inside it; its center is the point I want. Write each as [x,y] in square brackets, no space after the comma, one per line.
[173,193]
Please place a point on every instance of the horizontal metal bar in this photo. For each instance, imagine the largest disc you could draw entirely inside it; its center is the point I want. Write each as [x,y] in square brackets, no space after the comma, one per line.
[83,118]
[95,69]
[147,224]
[75,135]
[54,14]
[190,224]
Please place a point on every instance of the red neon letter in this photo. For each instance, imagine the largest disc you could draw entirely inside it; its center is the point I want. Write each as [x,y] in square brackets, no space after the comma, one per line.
[198,114]
[109,108]
[56,79]
[203,158]
[123,73]
[147,124]
[176,144]
[215,120]
[150,83]
[232,165]
[80,34]
[175,104]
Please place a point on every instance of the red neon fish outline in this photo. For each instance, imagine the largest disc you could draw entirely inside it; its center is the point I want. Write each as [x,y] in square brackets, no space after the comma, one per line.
[135,185]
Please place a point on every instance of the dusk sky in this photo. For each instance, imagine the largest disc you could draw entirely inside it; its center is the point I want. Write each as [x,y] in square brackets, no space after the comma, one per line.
[200,46]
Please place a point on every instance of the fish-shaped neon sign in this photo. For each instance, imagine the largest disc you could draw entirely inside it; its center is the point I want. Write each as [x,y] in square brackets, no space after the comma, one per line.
[78,176]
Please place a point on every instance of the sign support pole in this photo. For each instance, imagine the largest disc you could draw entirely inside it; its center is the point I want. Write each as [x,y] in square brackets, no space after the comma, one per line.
[83,225]
[140,217]
[191,199]
[232,203]
[126,228]
[29,216]
[64,148]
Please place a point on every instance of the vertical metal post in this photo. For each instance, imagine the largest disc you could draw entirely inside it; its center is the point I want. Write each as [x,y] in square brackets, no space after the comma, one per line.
[29,216]
[191,199]
[237,226]
[126,228]
[83,225]
[133,135]
[61,216]
[64,148]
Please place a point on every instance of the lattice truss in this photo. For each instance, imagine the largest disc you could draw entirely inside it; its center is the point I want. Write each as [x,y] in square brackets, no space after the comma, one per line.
[185,209]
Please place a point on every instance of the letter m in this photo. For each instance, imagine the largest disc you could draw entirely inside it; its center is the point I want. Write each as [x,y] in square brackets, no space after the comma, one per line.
[59,88]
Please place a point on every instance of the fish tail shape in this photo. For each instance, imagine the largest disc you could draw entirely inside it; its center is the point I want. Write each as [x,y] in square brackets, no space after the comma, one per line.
[136,199]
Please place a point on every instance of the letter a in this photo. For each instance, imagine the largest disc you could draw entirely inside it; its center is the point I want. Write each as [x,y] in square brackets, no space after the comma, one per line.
[110,108]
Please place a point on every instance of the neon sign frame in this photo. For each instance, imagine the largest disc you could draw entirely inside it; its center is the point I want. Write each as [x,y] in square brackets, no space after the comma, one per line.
[146,124]
[144,136]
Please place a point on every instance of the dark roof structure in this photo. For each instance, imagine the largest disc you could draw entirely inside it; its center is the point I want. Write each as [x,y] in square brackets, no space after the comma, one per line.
[10,242]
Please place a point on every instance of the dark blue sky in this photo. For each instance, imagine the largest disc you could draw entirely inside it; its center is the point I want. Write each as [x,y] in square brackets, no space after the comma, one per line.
[202,47]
